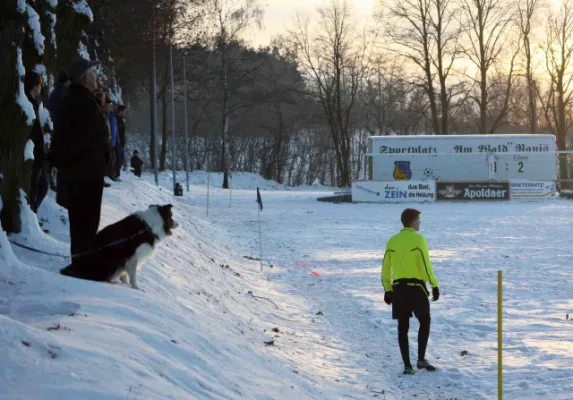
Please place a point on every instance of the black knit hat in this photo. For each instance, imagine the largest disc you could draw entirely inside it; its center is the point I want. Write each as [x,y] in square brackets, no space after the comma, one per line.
[79,66]
[31,79]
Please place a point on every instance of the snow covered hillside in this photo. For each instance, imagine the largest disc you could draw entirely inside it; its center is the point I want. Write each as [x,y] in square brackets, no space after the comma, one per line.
[209,325]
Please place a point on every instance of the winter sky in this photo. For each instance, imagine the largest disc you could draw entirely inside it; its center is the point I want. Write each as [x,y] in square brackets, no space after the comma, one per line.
[280,14]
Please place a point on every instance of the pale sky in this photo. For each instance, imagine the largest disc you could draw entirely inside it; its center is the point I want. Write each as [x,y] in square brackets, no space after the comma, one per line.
[279,16]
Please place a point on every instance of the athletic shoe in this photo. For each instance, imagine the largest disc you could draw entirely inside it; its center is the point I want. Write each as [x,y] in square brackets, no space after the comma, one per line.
[409,371]
[423,364]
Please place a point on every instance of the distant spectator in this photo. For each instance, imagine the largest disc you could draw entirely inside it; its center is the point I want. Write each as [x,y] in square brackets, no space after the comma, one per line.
[136,163]
[112,123]
[80,147]
[39,183]
[120,148]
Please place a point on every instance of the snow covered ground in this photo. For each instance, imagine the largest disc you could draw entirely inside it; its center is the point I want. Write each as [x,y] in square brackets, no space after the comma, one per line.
[198,330]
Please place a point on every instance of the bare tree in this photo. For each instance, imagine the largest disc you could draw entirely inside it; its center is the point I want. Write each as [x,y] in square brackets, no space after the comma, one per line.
[335,61]
[488,26]
[15,123]
[230,17]
[558,50]
[526,10]
[426,32]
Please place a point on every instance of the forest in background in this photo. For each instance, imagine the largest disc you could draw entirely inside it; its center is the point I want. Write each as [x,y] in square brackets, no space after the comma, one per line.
[299,110]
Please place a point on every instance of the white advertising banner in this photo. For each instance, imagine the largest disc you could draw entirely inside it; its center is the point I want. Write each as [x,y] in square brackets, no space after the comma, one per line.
[531,189]
[393,192]
[463,157]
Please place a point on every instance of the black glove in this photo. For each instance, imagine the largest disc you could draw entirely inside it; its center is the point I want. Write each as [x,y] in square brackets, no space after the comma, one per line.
[435,293]
[388,298]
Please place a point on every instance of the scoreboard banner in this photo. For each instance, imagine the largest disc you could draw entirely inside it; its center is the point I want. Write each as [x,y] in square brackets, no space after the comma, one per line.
[472,190]
[532,189]
[506,157]
[393,192]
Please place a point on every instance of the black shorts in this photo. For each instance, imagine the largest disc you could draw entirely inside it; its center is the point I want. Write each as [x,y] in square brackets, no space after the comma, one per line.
[407,299]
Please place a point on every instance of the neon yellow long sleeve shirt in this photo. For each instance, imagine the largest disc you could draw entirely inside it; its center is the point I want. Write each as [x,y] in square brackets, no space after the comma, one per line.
[407,256]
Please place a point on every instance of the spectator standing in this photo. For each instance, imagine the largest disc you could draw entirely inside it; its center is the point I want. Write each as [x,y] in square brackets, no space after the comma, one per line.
[39,182]
[120,148]
[59,92]
[136,163]
[80,147]
[112,123]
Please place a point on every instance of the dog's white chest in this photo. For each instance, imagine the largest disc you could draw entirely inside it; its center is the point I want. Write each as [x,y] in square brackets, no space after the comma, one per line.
[143,251]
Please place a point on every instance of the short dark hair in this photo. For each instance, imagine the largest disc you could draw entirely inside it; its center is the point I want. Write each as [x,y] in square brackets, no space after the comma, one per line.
[409,215]
[120,108]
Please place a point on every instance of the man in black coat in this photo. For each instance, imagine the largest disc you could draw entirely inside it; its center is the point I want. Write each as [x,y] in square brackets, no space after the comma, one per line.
[80,148]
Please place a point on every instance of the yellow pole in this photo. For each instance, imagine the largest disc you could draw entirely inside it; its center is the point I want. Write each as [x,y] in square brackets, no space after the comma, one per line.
[208,182]
[499,337]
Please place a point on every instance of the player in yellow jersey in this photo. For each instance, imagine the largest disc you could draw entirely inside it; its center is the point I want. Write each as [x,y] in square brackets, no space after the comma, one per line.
[405,270]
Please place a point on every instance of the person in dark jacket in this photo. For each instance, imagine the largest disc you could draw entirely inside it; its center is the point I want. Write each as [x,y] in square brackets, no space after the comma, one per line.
[58,93]
[80,148]
[120,148]
[39,183]
[136,163]
[112,121]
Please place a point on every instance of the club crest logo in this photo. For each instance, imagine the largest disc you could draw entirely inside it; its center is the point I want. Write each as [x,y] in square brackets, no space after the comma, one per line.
[450,192]
[402,171]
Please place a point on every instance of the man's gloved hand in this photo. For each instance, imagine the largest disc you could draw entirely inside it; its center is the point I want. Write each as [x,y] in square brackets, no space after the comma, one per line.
[435,293]
[388,297]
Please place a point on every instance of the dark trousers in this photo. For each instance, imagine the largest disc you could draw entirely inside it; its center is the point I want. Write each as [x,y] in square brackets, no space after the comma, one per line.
[38,187]
[110,169]
[407,300]
[423,335]
[119,156]
[84,209]
[62,188]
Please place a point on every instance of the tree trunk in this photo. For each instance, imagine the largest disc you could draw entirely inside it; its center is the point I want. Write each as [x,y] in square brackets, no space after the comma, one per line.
[48,24]
[164,133]
[14,130]
[69,27]
[152,122]
[432,96]
[278,148]
[224,119]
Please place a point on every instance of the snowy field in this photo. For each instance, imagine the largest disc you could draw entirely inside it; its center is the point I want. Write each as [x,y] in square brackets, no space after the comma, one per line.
[198,329]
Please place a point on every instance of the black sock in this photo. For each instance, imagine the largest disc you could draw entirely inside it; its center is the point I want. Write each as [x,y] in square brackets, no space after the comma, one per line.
[423,335]
[403,327]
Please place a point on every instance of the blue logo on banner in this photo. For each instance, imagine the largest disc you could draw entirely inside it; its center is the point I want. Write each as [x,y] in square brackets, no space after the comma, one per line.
[402,171]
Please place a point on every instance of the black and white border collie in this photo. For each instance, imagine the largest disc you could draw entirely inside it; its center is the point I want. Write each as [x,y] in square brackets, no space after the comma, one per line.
[120,248]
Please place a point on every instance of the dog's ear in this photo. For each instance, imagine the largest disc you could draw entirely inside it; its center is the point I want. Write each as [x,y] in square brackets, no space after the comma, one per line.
[168,206]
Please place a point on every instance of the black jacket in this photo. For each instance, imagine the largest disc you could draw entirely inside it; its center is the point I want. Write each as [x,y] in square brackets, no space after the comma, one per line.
[136,162]
[37,136]
[56,98]
[81,142]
